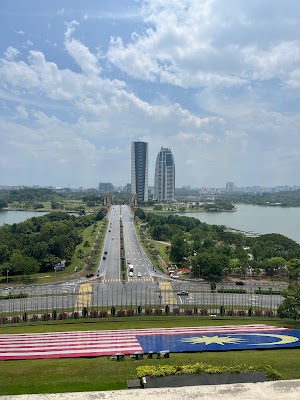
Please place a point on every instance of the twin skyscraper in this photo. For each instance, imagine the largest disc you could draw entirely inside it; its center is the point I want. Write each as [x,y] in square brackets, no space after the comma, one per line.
[164,179]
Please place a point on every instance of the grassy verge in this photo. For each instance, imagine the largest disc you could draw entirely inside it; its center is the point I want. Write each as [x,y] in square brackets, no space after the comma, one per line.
[100,373]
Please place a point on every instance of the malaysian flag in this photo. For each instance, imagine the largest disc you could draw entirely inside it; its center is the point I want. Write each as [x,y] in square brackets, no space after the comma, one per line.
[108,342]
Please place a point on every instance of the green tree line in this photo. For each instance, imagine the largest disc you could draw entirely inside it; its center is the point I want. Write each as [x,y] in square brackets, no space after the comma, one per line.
[38,243]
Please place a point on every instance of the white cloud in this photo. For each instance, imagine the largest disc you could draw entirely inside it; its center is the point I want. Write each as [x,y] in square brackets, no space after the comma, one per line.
[11,53]
[60,12]
[190,43]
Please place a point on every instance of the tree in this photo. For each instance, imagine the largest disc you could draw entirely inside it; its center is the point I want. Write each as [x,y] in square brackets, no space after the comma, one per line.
[22,264]
[290,307]
[179,248]
[3,203]
[211,265]
[274,264]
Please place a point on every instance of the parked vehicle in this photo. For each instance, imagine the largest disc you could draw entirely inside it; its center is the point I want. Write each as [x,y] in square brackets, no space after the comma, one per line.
[183,293]
[240,283]
[89,275]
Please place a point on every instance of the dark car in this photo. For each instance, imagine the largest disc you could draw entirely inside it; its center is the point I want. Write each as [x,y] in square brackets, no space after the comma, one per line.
[104,258]
[241,283]
[90,275]
[183,293]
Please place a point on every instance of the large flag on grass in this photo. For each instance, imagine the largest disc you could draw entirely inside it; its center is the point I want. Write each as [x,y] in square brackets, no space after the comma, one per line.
[108,342]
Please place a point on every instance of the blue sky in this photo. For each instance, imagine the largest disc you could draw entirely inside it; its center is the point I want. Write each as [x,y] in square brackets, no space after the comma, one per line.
[216,81]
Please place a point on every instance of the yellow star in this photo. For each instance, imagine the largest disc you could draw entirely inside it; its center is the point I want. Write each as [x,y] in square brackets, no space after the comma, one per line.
[212,339]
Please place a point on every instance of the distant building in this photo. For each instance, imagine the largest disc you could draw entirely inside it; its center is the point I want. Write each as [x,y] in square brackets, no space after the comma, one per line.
[139,170]
[164,180]
[106,187]
[229,187]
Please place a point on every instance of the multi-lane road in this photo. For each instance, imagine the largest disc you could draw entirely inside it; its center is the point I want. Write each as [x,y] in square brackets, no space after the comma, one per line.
[146,287]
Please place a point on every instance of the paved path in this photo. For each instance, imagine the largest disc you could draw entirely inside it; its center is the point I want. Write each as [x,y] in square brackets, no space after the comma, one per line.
[279,390]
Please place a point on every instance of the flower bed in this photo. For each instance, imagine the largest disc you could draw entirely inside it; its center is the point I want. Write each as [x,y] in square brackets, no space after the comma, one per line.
[230,313]
[158,311]
[148,311]
[176,311]
[240,313]
[130,313]
[102,313]
[188,311]
[62,315]
[120,313]
[204,312]
[75,315]
[94,314]
[46,317]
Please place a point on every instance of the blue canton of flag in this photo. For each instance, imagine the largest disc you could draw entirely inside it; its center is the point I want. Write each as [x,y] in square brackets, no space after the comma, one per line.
[219,341]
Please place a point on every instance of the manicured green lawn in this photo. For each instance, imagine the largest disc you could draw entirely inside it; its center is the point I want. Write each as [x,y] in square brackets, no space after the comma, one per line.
[101,373]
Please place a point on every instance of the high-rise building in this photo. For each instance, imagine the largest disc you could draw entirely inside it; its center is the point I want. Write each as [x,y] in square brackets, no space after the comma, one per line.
[164,180]
[139,170]
[229,186]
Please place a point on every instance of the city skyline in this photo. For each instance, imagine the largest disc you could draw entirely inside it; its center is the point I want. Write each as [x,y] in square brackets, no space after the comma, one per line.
[217,82]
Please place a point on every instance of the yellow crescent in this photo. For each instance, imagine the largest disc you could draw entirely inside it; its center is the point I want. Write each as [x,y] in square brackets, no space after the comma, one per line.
[284,338]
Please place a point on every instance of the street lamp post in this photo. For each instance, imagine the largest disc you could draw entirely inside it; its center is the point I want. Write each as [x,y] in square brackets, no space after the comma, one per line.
[7,271]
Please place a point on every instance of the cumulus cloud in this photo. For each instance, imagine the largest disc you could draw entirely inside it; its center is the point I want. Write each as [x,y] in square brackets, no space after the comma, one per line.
[11,53]
[226,77]
[195,44]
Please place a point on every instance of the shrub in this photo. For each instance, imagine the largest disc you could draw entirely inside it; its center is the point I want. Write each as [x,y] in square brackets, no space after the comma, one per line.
[257,313]
[158,311]
[15,319]
[240,313]
[204,311]
[94,314]
[46,317]
[3,320]
[62,315]
[75,315]
[130,313]
[34,318]
[230,313]
[176,311]
[102,313]
[269,313]
[120,313]
[148,311]
[188,311]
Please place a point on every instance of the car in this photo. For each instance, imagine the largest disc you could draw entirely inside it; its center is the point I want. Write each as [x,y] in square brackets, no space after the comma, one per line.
[112,238]
[104,258]
[241,283]
[89,275]
[105,252]
[139,274]
[130,273]
[183,293]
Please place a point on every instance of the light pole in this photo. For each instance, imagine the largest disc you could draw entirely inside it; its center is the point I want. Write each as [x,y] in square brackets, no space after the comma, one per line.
[7,271]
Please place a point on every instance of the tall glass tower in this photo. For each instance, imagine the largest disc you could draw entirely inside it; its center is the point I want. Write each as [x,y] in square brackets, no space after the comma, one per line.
[164,180]
[139,170]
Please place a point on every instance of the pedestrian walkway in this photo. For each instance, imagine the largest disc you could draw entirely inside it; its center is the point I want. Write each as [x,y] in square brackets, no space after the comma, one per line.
[84,296]
[278,390]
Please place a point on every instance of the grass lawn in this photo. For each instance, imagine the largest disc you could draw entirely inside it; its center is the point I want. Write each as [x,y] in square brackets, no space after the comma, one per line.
[100,373]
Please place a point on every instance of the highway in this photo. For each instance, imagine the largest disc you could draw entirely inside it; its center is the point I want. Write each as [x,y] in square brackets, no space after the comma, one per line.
[146,288]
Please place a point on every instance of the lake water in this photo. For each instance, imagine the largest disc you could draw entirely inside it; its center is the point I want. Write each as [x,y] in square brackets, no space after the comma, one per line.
[12,217]
[257,219]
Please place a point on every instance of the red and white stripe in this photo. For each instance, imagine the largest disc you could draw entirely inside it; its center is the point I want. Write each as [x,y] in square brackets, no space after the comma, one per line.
[100,343]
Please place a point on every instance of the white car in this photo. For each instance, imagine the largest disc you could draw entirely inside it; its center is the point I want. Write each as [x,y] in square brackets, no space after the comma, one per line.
[130,273]
[139,274]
